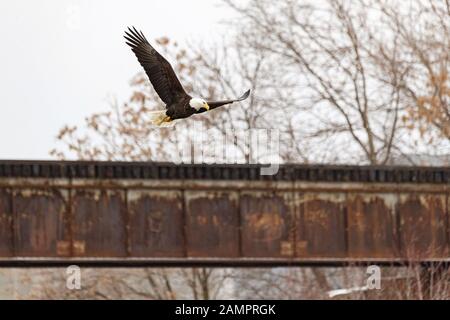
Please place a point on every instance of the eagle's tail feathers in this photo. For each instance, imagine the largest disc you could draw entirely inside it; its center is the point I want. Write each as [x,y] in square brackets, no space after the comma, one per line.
[159,118]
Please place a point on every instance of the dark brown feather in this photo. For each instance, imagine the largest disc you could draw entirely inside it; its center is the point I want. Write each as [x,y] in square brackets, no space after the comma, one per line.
[158,69]
[215,104]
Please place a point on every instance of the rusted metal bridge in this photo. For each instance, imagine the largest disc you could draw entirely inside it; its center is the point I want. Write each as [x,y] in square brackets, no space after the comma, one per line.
[56,213]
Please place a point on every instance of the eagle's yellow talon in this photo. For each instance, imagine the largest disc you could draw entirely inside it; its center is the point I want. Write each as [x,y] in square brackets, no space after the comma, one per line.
[162,120]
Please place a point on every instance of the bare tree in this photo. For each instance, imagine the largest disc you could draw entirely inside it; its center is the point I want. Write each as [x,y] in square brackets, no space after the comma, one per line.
[423,36]
[352,66]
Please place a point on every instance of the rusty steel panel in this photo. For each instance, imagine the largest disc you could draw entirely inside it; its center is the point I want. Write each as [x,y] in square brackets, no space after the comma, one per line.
[6,227]
[423,225]
[39,221]
[99,223]
[321,228]
[212,224]
[372,227]
[156,223]
[164,214]
[266,225]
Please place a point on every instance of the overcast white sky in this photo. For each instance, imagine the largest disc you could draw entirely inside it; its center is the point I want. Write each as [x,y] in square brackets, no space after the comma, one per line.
[61,60]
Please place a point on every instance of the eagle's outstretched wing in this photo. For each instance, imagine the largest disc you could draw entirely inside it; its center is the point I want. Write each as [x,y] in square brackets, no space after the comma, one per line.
[158,69]
[215,104]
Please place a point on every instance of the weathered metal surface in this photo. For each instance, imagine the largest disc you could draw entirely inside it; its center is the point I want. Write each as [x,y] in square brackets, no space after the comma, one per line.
[99,223]
[322,226]
[212,224]
[155,223]
[6,224]
[161,214]
[38,221]
[266,225]
[152,170]
[372,225]
[423,225]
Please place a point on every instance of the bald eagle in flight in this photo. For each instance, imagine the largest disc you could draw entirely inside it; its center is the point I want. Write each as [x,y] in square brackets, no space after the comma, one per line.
[179,104]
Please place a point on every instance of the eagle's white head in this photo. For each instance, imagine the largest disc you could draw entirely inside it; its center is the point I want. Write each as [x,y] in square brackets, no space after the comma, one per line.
[198,103]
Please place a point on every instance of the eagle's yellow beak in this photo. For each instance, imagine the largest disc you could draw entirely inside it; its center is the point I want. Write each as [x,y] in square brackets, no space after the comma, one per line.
[206,106]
